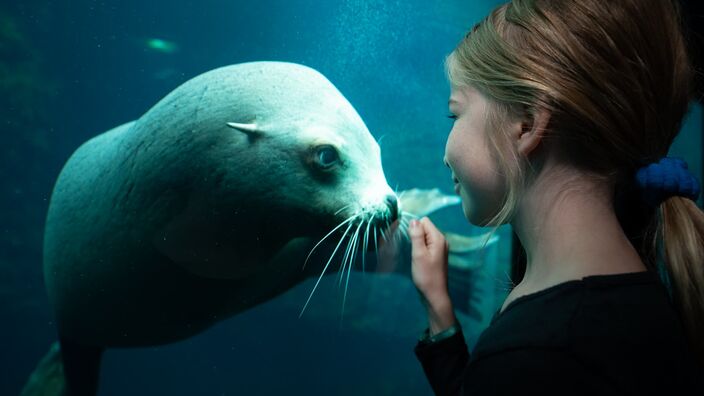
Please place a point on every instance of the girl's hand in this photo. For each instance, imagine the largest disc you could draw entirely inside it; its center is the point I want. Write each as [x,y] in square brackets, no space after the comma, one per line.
[429,272]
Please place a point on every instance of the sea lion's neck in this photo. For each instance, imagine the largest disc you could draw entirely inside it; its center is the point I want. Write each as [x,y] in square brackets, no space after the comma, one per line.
[215,245]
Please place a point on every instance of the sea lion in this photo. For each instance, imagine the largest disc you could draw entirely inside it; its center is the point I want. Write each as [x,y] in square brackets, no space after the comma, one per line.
[206,205]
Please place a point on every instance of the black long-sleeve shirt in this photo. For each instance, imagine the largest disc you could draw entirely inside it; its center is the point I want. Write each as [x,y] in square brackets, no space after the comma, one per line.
[601,335]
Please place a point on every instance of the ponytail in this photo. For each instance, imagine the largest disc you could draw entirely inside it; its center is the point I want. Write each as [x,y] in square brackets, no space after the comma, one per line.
[681,230]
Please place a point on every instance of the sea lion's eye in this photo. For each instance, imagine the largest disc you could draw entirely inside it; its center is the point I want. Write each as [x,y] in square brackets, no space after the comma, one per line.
[326,156]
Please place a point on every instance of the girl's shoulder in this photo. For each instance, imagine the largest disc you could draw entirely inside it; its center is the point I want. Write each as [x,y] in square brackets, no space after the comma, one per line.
[616,325]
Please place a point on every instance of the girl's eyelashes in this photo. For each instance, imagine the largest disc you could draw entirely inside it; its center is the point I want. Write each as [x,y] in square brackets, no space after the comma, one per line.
[452,116]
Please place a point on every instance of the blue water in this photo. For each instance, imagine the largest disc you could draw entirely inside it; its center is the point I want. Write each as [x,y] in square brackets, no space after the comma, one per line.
[70,70]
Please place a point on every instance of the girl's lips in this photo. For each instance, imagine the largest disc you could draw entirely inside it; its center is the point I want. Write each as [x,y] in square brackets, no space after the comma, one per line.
[457,188]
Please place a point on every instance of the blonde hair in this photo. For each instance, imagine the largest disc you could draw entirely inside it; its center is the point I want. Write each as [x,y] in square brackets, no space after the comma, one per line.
[618,82]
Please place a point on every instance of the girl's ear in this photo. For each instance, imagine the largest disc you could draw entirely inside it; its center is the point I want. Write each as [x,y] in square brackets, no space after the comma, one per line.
[532,132]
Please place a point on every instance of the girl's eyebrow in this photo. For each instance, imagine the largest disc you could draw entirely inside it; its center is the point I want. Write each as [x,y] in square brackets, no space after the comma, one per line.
[451,101]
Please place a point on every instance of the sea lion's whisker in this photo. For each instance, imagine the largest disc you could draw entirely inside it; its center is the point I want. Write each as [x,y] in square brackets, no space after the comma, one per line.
[344,260]
[376,246]
[341,269]
[350,249]
[349,270]
[321,241]
[324,269]
[364,244]
[403,223]
[380,139]
[386,231]
[343,208]
[403,226]
[396,235]
[410,215]
[354,242]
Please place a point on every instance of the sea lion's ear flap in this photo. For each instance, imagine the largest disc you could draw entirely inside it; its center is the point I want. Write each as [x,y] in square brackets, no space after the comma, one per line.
[249,129]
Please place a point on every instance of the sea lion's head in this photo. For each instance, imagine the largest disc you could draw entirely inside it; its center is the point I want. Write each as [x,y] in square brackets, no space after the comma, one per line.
[279,139]
[326,162]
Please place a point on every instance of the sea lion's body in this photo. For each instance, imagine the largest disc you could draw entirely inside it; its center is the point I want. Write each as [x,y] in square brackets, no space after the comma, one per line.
[206,205]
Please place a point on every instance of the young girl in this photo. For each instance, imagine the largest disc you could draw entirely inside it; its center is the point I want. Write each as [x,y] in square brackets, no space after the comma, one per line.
[564,112]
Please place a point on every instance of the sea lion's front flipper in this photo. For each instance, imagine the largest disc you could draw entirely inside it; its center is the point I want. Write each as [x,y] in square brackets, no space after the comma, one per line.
[48,378]
[424,202]
[461,244]
[464,287]
[465,259]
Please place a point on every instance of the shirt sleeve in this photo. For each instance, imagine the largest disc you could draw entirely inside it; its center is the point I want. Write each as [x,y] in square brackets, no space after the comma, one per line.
[443,360]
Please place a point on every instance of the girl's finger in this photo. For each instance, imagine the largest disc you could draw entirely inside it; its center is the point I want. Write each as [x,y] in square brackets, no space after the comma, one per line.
[433,236]
[417,233]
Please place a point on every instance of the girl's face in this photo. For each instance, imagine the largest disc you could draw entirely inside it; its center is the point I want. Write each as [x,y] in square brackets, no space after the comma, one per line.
[474,172]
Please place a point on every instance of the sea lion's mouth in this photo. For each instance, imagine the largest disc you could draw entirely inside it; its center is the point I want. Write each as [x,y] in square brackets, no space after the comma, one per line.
[355,236]
[362,231]
[367,222]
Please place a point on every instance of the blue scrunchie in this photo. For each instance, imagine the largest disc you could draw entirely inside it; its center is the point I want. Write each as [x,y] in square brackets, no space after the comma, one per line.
[666,178]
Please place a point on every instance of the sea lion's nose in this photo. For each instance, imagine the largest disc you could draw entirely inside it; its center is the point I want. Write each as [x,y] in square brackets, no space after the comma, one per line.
[392,202]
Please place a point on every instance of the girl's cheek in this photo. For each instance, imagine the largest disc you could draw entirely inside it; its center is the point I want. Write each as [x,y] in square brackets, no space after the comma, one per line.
[450,147]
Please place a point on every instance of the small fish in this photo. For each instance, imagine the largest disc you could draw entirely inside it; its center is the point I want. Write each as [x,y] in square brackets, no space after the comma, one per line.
[161,45]
[424,202]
